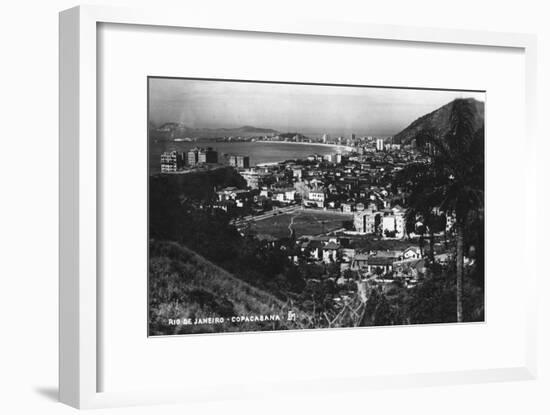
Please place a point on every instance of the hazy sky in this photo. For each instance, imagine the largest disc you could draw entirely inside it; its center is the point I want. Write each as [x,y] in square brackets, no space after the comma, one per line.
[285,108]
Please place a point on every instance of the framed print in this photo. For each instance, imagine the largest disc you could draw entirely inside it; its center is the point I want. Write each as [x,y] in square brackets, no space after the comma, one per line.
[238,192]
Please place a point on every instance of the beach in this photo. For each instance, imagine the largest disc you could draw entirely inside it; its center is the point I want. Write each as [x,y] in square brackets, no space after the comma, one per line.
[339,147]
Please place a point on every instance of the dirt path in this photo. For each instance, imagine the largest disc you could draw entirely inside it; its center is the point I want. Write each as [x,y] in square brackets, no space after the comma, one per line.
[292,222]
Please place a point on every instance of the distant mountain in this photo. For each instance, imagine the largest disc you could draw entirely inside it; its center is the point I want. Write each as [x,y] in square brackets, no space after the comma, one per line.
[170,131]
[438,121]
[245,131]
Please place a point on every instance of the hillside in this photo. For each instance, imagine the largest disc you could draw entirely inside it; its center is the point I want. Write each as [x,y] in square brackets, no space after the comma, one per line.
[183,284]
[438,121]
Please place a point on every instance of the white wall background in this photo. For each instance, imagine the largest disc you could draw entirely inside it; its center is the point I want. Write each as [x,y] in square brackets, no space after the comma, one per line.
[28,212]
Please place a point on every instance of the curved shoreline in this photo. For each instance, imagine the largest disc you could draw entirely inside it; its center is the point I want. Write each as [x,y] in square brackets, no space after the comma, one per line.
[336,146]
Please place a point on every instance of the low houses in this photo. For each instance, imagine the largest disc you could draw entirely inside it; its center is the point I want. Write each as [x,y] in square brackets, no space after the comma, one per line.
[315,157]
[225,205]
[321,248]
[279,196]
[347,207]
[330,252]
[284,194]
[314,248]
[444,258]
[347,253]
[232,193]
[412,252]
[238,197]
[380,264]
[290,194]
[316,197]
[231,197]
[359,261]
[384,262]
[254,178]
[410,268]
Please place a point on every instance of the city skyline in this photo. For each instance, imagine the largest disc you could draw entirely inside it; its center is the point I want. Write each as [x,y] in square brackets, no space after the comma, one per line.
[306,108]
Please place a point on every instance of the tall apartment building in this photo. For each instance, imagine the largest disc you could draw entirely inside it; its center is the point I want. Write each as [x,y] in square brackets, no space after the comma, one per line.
[171,162]
[201,155]
[207,155]
[365,221]
[242,162]
[193,157]
[370,221]
[380,144]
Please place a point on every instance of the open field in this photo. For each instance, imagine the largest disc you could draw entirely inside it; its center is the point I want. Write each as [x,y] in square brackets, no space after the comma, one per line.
[303,222]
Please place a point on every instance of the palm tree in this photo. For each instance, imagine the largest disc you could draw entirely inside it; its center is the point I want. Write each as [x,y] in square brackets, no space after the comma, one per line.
[420,208]
[453,180]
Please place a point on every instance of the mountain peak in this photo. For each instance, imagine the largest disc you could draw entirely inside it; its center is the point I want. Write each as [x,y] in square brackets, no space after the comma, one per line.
[438,120]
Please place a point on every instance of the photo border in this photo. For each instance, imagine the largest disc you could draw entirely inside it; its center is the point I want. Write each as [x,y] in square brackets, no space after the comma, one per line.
[407,88]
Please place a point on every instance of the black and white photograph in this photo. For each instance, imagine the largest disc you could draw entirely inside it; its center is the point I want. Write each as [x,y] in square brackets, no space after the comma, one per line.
[290,206]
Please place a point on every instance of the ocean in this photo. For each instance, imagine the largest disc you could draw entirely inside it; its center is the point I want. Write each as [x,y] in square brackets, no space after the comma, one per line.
[259,152]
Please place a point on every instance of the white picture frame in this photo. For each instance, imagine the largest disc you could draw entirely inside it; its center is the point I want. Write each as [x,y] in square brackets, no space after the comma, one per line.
[78,346]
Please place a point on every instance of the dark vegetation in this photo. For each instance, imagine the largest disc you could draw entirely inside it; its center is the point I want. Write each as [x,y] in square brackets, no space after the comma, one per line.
[178,212]
[184,285]
[432,301]
[451,183]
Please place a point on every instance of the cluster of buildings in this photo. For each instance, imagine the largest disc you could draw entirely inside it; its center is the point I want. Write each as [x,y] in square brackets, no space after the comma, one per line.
[382,266]
[359,185]
[358,143]
[395,262]
[174,161]
[377,148]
